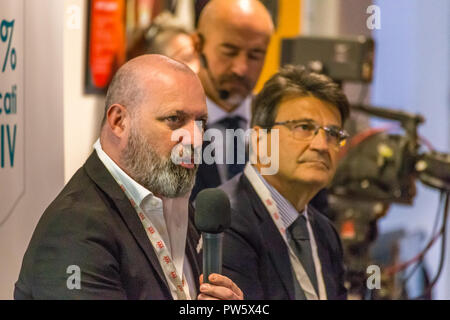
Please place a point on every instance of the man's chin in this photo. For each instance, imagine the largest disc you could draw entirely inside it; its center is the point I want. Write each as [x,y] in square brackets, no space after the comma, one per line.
[235,99]
[317,178]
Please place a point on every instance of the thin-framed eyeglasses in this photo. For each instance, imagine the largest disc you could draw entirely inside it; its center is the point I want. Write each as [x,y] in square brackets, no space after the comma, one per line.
[306,130]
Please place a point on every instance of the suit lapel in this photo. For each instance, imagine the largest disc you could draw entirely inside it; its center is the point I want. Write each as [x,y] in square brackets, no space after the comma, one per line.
[192,240]
[274,242]
[103,179]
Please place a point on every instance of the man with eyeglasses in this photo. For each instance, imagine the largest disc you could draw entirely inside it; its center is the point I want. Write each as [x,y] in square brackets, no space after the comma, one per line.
[279,246]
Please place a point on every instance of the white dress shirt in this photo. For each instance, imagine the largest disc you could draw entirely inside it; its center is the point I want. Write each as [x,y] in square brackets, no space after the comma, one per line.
[168,215]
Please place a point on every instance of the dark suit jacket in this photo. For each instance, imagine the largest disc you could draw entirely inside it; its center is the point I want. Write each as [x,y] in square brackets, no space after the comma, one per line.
[255,255]
[92,224]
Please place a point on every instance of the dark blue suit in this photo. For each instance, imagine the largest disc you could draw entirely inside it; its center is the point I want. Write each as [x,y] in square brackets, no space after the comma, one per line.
[255,255]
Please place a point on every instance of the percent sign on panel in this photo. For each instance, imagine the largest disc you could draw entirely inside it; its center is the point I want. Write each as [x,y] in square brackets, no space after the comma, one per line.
[6,34]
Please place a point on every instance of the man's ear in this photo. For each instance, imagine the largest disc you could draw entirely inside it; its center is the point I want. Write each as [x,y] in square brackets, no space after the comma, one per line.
[266,150]
[198,40]
[257,134]
[117,118]
[261,133]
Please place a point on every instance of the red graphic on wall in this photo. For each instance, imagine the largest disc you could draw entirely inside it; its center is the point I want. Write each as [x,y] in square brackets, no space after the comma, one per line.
[107,43]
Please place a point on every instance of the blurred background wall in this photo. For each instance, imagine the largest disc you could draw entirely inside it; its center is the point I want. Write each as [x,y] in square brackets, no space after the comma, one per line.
[43,105]
[82,112]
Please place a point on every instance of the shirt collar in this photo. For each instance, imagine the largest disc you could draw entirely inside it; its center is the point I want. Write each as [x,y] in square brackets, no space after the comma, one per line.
[137,191]
[287,211]
[216,113]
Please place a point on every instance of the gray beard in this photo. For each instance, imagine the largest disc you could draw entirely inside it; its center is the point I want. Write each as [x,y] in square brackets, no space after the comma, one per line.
[235,99]
[157,174]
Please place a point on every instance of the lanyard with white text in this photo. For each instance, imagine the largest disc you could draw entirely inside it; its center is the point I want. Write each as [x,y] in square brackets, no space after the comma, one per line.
[159,246]
[300,273]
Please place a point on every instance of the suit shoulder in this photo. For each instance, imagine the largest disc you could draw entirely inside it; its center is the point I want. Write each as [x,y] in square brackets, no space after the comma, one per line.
[79,208]
[243,217]
[320,218]
[77,226]
[80,195]
[236,192]
[326,227]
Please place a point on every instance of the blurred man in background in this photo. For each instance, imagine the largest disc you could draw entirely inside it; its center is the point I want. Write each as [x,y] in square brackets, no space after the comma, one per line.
[169,37]
[231,39]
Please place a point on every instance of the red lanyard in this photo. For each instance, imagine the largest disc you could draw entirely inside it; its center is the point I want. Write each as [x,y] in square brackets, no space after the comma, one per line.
[159,246]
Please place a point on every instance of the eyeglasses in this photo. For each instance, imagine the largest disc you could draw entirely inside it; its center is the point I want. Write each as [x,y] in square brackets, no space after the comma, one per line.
[305,130]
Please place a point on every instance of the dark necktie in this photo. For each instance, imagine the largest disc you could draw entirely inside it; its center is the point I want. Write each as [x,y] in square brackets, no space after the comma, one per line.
[302,247]
[234,123]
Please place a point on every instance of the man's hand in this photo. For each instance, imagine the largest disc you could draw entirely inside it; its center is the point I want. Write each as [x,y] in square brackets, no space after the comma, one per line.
[219,288]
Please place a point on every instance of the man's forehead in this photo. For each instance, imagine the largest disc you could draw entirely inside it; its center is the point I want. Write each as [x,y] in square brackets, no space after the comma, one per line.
[230,28]
[236,12]
[164,82]
[155,75]
[172,93]
[238,38]
[308,107]
[233,33]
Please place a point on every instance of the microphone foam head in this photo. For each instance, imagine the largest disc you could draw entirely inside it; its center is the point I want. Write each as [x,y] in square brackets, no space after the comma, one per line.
[212,211]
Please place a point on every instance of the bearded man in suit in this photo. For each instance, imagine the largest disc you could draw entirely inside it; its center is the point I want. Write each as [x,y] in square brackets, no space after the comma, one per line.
[120,229]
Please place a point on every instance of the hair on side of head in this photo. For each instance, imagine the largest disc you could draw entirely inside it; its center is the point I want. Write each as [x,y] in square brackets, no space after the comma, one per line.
[295,81]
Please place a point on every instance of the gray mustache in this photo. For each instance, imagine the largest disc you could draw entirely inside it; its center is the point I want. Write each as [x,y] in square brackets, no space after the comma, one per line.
[189,154]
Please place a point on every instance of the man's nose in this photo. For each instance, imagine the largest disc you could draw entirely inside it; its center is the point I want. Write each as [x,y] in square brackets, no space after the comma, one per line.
[320,141]
[240,65]
[195,134]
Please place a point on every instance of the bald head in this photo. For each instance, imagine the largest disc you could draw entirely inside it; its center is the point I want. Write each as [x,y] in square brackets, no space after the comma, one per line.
[153,109]
[247,14]
[232,40]
[132,83]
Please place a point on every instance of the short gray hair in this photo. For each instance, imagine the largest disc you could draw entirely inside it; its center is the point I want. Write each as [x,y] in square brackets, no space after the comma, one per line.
[295,81]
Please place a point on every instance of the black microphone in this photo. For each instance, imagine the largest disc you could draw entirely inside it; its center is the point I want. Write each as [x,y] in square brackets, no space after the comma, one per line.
[212,217]
[223,94]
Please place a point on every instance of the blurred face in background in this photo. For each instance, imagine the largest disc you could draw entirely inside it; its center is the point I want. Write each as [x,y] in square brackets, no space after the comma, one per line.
[233,37]
[235,58]
[181,48]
